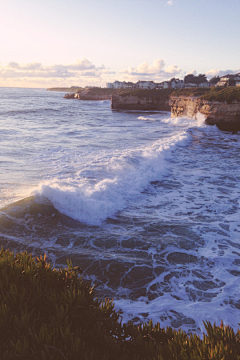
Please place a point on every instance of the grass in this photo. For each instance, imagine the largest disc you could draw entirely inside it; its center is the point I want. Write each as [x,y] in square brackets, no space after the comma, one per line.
[220,94]
[52,314]
[163,93]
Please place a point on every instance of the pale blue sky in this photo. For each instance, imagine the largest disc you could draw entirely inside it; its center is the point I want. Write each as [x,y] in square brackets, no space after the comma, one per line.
[69,40]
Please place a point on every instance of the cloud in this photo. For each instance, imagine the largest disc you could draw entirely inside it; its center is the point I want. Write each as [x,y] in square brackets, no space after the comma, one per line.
[173,69]
[145,69]
[153,72]
[217,72]
[170,2]
[193,72]
[13,64]
[82,72]
[82,67]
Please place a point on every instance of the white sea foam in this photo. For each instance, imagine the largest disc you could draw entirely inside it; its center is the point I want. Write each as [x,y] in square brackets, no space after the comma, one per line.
[186,121]
[145,118]
[126,176]
[91,163]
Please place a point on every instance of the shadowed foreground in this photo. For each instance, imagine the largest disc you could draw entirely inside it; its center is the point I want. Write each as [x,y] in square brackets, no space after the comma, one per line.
[48,313]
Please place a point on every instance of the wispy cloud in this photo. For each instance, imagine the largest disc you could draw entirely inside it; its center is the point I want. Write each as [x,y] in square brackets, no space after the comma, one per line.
[170,2]
[35,69]
[81,70]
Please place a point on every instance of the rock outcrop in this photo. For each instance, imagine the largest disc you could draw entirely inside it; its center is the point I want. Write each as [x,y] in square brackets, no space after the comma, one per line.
[92,94]
[136,102]
[225,116]
[71,96]
[88,95]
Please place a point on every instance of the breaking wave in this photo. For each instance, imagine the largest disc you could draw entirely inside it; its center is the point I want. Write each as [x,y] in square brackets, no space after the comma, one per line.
[126,176]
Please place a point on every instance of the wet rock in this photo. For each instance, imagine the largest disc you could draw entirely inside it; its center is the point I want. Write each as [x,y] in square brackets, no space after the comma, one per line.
[69,96]
[137,293]
[159,270]
[116,271]
[138,276]
[62,240]
[207,285]
[181,258]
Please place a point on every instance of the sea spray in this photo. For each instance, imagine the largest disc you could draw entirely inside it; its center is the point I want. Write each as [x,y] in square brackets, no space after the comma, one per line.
[126,176]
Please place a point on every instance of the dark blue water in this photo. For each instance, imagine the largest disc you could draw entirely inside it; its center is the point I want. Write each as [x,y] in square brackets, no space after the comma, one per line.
[146,205]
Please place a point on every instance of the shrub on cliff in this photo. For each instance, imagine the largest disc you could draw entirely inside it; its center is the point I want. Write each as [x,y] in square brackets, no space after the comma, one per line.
[191,92]
[157,93]
[228,95]
[52,314]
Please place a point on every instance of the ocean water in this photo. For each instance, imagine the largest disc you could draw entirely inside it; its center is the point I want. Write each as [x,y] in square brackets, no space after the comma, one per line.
[147,205]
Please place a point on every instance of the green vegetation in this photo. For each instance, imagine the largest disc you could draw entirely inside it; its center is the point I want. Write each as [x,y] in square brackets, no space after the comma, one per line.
[163,93]
[228,94]
[66,89]
[50,314]
[214,80]
[190,78]
[192,91]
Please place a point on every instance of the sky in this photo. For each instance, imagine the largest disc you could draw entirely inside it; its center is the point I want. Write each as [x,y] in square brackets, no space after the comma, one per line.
[60,43]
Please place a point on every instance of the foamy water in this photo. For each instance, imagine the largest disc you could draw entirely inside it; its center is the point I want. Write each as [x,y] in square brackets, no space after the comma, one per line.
[146,204]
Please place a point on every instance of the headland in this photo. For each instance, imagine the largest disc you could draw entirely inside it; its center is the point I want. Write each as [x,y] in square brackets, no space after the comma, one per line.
[220,106]
[218,99]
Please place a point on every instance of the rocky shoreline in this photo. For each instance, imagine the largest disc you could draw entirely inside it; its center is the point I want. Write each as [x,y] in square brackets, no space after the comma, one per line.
[225,116]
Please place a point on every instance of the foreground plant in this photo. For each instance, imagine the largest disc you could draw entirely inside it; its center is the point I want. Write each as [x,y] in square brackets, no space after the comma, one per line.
[50,314]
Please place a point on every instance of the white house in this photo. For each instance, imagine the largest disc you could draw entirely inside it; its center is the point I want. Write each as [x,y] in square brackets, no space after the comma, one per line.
[120,85]
[204,84]
[229,80]
[177,84]
[165,84]
[145,85]
[191,85]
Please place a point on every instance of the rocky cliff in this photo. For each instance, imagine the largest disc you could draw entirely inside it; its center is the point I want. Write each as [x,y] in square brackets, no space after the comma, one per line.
[225,116]
[141,100]
[92,94]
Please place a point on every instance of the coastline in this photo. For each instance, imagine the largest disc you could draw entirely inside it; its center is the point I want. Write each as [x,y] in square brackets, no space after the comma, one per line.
[220,106]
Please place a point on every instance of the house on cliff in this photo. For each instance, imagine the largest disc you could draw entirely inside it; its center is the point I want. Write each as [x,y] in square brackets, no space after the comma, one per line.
[145,85]
[130,85]
[120,85]
[176,84]
[229,80]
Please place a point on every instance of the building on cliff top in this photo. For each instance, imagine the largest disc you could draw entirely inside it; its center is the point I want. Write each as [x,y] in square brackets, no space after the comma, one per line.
[229,80]
[120,85]
[226,80]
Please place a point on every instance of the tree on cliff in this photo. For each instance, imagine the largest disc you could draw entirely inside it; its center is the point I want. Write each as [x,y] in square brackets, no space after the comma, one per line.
[190,78]
[214,80]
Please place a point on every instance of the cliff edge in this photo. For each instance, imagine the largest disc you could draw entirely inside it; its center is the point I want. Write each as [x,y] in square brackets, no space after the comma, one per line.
[220,106]
[225,116]
[156,100]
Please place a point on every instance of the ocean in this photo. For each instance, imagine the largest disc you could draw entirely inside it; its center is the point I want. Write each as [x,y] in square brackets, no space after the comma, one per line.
[147,205]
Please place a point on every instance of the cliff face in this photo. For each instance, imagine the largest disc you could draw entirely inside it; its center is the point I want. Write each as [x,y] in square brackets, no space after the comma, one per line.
[225,116]
[134,102]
